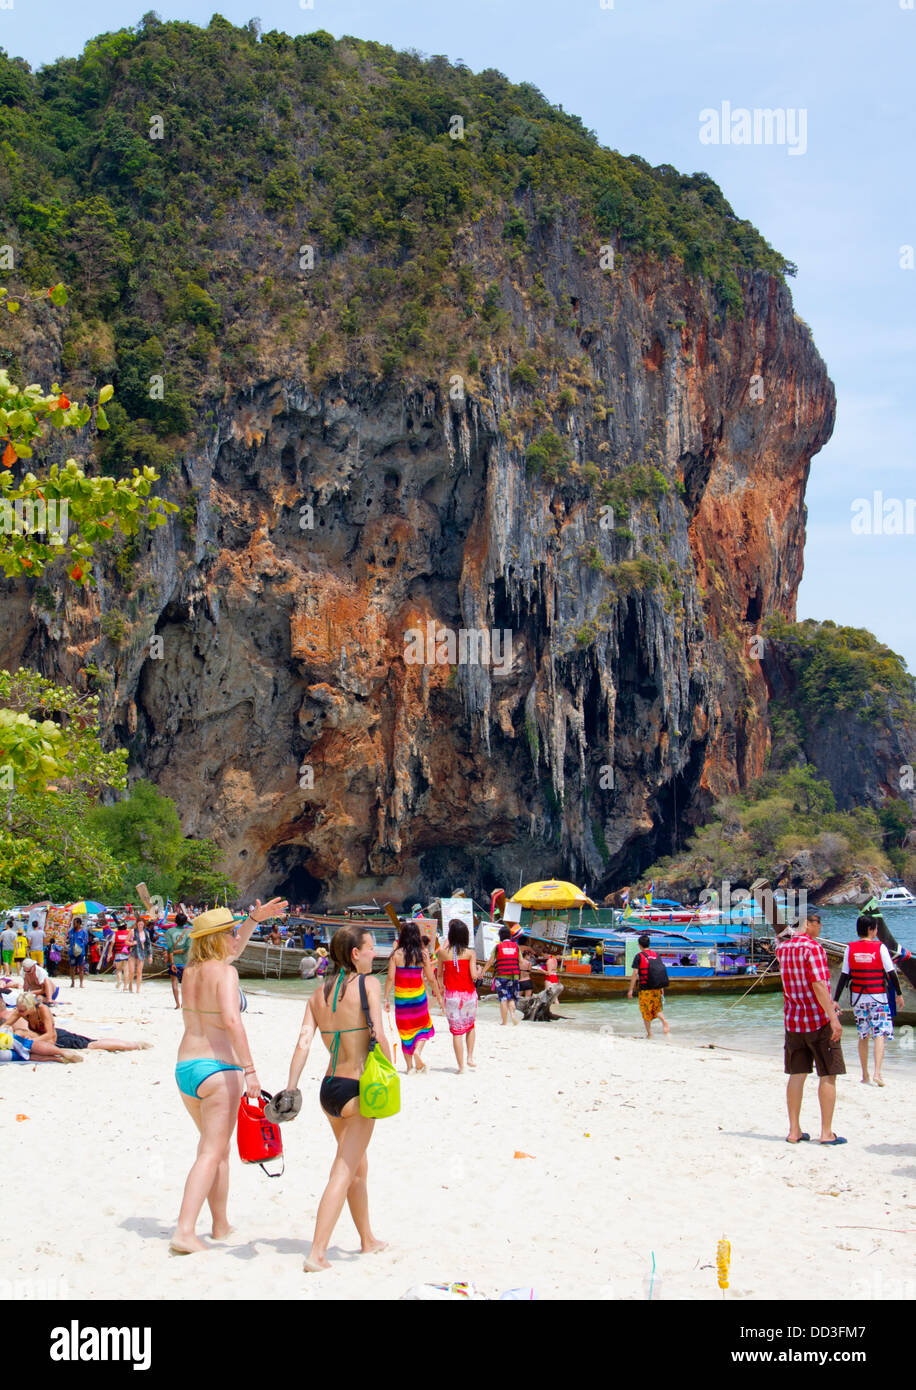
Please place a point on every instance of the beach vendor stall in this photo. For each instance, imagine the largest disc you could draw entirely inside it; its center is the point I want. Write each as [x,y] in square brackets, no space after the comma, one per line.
[57,925]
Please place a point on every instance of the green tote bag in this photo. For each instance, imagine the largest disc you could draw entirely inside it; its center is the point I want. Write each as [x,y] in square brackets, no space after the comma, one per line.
[379,1085]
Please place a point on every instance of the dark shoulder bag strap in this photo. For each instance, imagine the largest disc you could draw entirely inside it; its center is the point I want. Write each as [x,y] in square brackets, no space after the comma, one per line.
[364,1000]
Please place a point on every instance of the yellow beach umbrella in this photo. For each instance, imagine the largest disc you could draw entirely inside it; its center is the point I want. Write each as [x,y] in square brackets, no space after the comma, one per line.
[551,893]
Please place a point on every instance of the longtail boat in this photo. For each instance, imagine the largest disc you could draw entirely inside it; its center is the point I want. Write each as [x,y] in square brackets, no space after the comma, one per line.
[699,960]
[262,960]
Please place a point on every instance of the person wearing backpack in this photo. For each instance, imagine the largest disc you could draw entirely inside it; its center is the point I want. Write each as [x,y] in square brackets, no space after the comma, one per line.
[650,979]
[77,950]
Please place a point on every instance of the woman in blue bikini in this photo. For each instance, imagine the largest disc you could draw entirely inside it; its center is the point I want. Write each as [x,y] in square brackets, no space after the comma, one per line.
[214,1063]
[335,1010]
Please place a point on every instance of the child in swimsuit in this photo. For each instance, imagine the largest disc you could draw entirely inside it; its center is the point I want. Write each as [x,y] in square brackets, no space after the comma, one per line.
[335,1011]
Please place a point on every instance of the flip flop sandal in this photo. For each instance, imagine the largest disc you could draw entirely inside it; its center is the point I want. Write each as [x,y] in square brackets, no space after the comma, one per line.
[285,1105]
[829,1142]
[800,1140]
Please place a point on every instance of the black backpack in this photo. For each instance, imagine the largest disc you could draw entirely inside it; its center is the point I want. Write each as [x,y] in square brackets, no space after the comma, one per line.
[656,975]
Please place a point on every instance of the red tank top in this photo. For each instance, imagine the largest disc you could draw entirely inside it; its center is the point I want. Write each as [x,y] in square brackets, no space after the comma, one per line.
[457,978]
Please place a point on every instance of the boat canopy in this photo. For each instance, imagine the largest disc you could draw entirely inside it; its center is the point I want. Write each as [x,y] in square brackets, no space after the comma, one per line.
[696,936]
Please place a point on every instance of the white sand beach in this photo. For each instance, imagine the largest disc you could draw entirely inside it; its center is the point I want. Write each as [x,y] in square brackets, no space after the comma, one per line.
[636,1147]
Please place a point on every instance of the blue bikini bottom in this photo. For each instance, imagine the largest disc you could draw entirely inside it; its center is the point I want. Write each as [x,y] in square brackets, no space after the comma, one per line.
[191,1075]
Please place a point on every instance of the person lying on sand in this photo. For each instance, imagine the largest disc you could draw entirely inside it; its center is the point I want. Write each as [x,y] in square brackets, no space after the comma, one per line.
[33,1019]
[15,1047]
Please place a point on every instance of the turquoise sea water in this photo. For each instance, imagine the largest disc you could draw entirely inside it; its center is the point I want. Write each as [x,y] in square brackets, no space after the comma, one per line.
[752,1024]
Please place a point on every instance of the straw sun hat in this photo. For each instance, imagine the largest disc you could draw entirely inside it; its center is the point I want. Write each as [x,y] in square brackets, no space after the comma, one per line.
[217,919]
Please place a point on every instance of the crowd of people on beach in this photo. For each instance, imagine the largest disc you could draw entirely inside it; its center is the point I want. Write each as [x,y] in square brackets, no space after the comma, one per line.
[90,945]
[215,1069]
[29,993]
[35,961]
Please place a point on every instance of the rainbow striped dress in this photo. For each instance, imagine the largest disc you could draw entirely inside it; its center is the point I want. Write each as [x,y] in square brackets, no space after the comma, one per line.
[411,1007]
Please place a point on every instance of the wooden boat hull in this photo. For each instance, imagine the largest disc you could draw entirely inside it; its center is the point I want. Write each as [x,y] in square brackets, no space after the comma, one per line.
[616,986]
[262,961]
[257,962]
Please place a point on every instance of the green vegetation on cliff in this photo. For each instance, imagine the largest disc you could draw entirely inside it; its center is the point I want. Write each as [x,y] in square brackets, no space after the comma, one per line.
[194,186]
[829,677]
[784,823]
[840,669]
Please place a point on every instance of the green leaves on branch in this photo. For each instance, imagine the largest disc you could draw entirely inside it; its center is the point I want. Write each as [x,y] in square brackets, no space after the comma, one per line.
[144,833]
[69,510]
[74,757]
[30,752]
[57,295]
[75,512]
[50,850]
[24,862]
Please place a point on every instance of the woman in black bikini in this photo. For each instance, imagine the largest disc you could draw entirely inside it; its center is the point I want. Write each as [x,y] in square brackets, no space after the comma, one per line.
[335,1010]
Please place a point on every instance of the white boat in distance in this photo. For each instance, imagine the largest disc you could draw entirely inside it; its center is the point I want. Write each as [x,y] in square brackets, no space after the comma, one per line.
[897,897]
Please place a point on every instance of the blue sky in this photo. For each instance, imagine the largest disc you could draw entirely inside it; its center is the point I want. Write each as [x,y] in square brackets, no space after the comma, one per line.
[638,73]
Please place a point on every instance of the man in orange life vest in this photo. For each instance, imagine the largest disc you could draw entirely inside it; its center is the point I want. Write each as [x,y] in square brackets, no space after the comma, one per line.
[870,974]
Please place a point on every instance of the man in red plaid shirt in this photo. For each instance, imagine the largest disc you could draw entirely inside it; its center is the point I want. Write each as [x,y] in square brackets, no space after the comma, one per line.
[813,1029]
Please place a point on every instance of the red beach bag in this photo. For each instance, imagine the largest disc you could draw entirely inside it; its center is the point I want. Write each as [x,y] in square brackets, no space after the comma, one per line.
[259,1141]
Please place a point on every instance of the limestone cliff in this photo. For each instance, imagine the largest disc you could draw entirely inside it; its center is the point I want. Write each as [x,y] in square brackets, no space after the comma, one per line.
[278,709]
[845,704]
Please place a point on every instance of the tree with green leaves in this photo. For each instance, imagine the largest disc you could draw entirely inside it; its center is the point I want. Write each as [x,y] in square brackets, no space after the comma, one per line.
[72,510]
[144,833]
[52,767]
[50,734]
[62,513]
[199,879]
[49,849]
[896,817]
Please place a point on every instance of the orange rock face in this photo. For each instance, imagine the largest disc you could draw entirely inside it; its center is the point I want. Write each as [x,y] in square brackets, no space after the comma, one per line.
[287,714]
